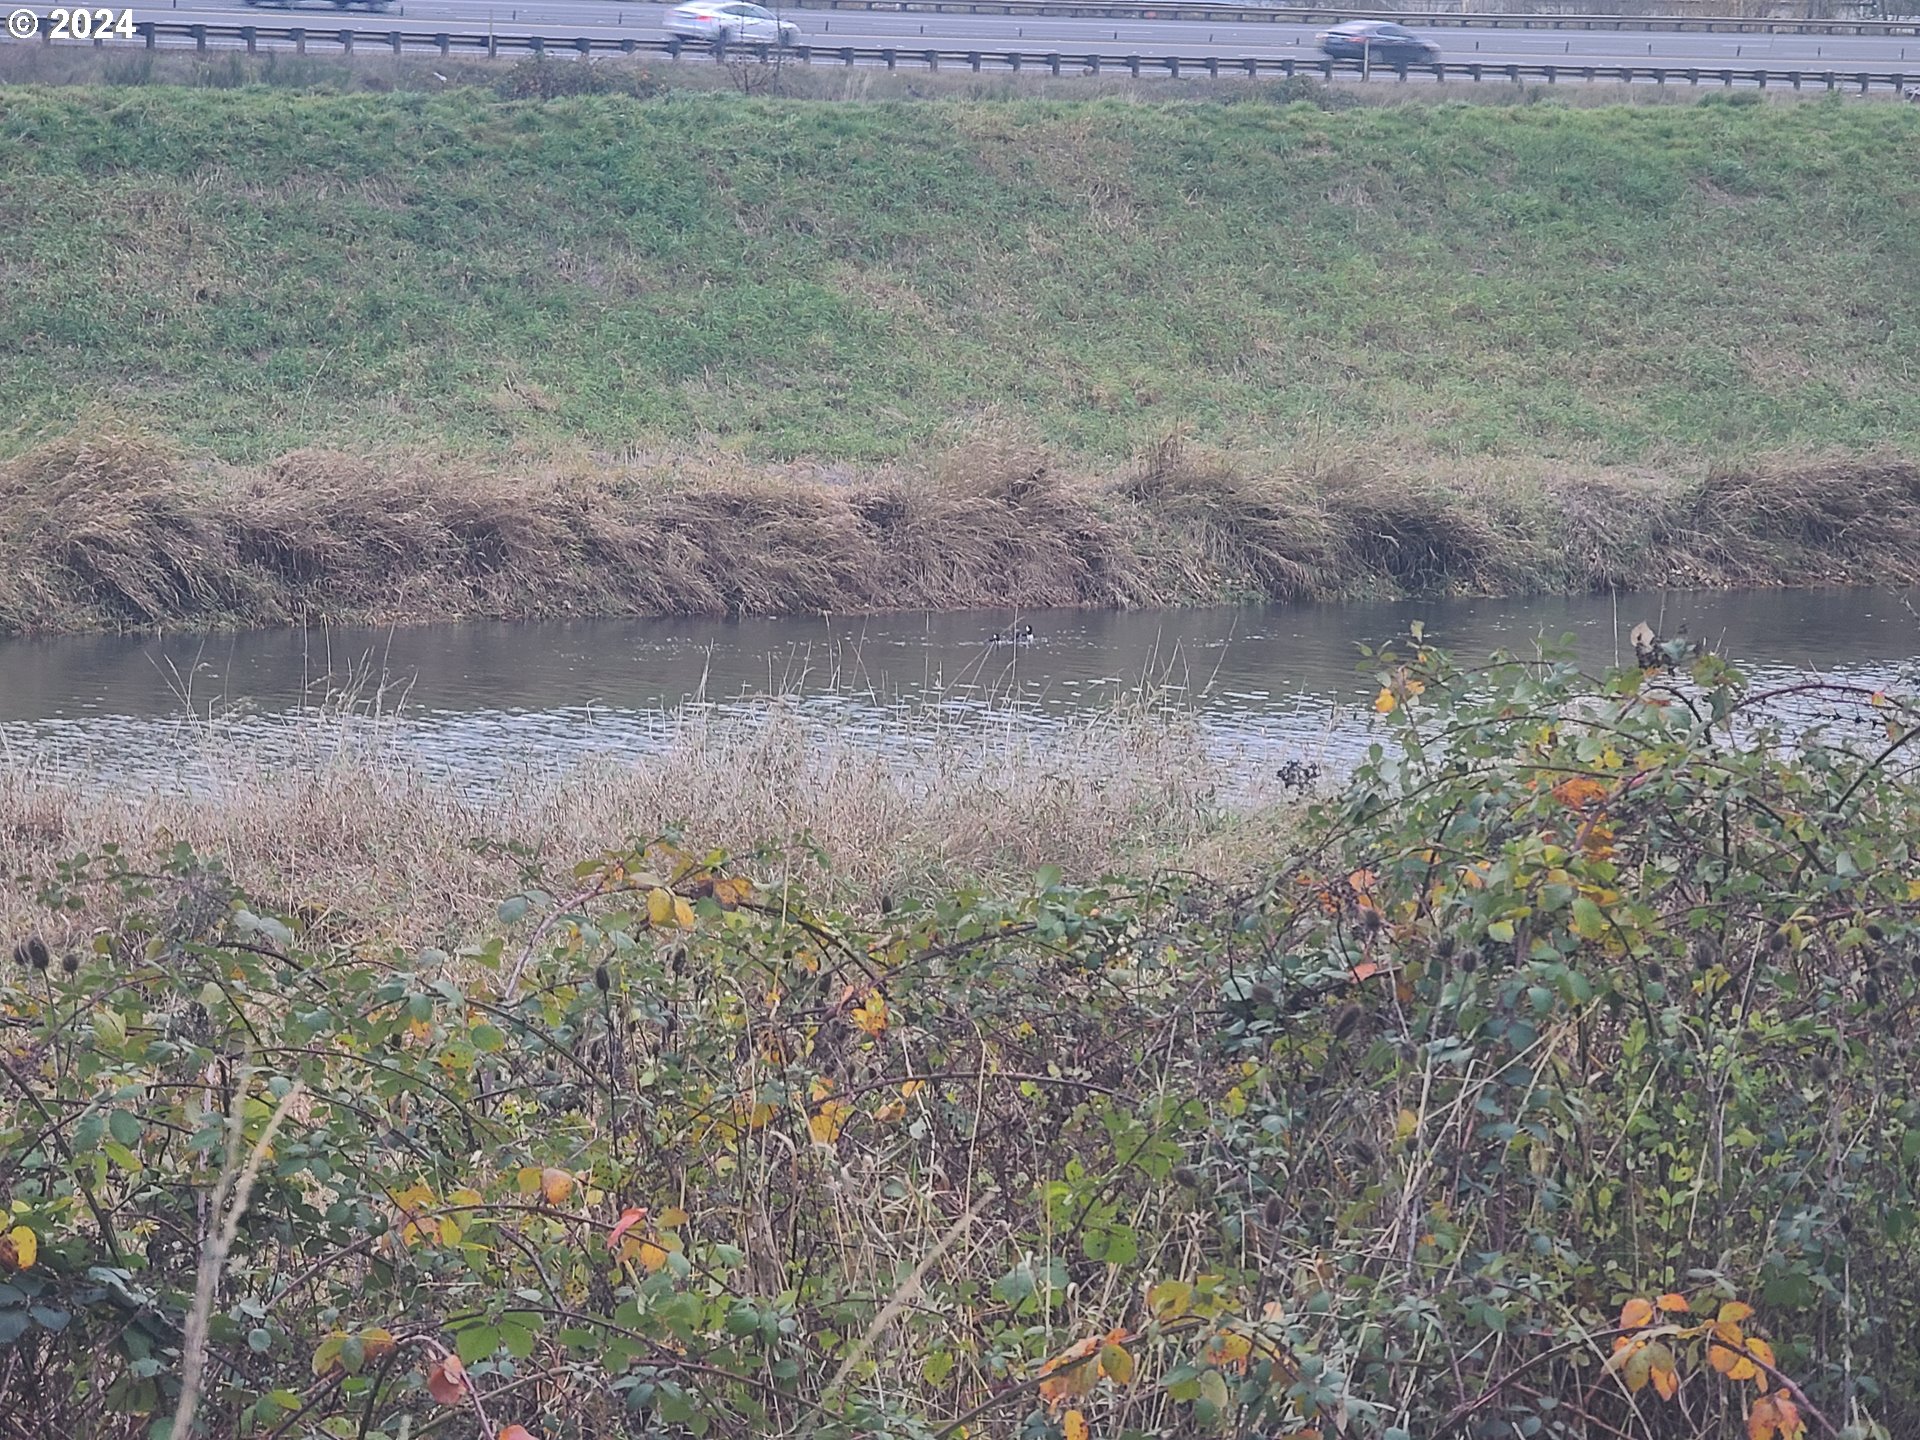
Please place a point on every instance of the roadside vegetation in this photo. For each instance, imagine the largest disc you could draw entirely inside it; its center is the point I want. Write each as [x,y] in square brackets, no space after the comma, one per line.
[1556,1078]
[699,283]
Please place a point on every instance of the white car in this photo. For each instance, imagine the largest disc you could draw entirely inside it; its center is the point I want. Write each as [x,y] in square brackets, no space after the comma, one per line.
[731,22]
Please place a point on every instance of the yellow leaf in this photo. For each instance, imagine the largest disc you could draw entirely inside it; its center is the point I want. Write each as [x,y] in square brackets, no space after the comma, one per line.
[555,1185]
[871,1016]
[672,1217]
[1074,1426]
[1635,1313]
[1384,702]
[1733,1312]
[660,907]
[527,1179]
[1230,1349]
[682,913]
[650,1256]
[1405,1124]
[821,1088]
[1762,1353]
[891,1113]
[1674,1304]
[19,1248]
[378,1343]
[1116,1363]
[826,1126]
[910,1088]
[1170,1299]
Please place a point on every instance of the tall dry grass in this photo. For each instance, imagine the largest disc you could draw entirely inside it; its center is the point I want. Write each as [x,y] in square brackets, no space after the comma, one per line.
[352,825]
[113,530]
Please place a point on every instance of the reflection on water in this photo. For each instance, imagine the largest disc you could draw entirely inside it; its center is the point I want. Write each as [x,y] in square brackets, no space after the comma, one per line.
[477,700]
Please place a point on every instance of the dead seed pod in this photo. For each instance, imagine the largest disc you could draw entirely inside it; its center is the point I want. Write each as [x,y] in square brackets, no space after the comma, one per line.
[1346,1020]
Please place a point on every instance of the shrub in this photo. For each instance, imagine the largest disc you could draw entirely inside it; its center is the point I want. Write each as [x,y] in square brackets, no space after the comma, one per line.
[1561,1084]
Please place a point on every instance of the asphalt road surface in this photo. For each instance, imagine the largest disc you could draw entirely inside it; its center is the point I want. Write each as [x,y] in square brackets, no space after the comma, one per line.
[567,18]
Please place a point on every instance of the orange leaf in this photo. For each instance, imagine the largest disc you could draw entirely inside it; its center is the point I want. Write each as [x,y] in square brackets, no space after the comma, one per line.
[1635,1313]
[1762,1353]
[1733,1312]
[628,1219]
[1787,1417]
[555,1185]
[1384,702]
[1579,792]
[447,1380]
[1763,1419]
[1667,1382]
[515,1432]
[1366,970]
[1674,1304]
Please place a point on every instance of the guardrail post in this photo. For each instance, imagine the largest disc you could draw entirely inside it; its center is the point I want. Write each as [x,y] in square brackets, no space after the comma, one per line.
[1726,78]
[1439,71]
[846,54]
[445,42]
[973,59]
[1326,69]
[393,37]
[1213,66]
[1660,76]
[1053,63]
[1092,64]
[1553,74]
[1864,78]
[299,40]
[1794,77]
[1830,79]
[199,33]
[889,59]
[629,45]
[1133,66]
[1693,76]
[145,27]
[1473,70]
[247,33]
[1761,76]
[581,43]
[1173,66]
[674,44]
[1286,67]
[932,58]
[1513,73]
[346,41]
[537,44]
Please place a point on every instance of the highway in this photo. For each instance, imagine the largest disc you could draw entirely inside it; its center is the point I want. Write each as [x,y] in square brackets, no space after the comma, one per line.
[1043,33]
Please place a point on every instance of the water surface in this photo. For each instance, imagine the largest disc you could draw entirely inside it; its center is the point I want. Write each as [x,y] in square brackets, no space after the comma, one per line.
[1273,682]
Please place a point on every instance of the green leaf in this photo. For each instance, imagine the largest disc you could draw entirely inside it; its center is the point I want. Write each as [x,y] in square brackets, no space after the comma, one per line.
[513,909]
[1588,923]
[124,1127]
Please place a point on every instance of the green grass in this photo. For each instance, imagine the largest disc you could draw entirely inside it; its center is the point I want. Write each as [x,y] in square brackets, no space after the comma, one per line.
[254,270]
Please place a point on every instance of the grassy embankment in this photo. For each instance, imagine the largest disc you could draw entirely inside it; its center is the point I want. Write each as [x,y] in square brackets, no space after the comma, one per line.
[415,356]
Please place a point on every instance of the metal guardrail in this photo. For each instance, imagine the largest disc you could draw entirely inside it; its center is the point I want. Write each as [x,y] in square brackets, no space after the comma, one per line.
[448,42]
[1316,15]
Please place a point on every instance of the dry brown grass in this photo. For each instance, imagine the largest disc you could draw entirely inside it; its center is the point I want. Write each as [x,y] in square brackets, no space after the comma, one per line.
[111,530]
[352,826]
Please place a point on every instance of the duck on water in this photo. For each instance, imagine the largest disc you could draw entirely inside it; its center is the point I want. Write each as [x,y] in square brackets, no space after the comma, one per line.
[1022,635]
